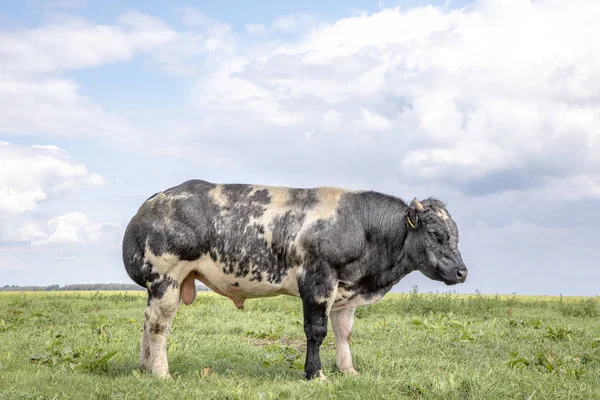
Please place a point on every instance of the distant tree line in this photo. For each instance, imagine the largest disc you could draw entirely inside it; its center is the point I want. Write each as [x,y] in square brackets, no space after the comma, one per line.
[80,286]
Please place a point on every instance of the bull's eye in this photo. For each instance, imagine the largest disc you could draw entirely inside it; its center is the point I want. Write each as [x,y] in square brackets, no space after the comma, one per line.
[436,237]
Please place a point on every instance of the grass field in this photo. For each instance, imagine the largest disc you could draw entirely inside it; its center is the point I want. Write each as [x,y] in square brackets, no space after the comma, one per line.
[443,346]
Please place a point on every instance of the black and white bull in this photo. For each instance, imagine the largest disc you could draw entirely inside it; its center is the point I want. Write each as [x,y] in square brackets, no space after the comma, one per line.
[335,249]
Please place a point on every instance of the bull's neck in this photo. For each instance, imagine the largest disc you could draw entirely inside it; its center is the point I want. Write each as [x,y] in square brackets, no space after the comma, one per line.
[383,220]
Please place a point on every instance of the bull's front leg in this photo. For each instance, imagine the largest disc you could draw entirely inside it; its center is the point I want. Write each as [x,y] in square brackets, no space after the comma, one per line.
[318,293]
[341,322]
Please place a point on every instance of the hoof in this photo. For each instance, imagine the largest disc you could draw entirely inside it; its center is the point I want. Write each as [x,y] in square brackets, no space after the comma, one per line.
[144,369]
[350,372]
[162,375]
[321,377]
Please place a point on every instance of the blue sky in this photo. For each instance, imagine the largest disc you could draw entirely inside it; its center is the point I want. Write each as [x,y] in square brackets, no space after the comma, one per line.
[490,106]
[236,13]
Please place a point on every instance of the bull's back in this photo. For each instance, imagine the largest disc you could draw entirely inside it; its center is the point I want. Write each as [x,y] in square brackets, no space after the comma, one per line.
[235,237]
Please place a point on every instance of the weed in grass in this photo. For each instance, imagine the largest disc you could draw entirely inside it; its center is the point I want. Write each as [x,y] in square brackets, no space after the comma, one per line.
[588,308]
[272,333]
[558,333]
[283,356]
[5,326]
[88,359]
[516,360]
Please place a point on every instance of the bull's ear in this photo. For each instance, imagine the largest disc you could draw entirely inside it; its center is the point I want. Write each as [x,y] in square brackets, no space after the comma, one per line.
[412,218]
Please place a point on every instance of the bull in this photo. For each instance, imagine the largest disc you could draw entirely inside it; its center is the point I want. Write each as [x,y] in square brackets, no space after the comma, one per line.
[335,249]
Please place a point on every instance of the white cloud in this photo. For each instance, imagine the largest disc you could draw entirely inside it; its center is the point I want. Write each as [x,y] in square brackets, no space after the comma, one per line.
[255,29]
[30,175]
[72,228]
[463,95]
[74,43]
[35,99]
[191,17]
[285,23]
[332,121]
[374,122]
[69,42]
[55,106]
[498,91]
[64,257]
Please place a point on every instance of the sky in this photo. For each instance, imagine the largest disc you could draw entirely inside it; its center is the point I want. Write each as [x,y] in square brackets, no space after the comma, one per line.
[493,106]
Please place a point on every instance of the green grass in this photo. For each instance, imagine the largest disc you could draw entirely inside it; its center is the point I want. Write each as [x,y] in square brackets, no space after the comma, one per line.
[445,346]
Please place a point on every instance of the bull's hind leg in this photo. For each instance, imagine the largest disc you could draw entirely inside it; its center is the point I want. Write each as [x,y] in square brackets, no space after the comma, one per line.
[145,356]
[163,301]
[341,322]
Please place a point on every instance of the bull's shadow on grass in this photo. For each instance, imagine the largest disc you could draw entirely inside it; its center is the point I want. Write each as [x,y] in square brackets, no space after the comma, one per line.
[118,369]
[275,360]
[190,367]
[284,361]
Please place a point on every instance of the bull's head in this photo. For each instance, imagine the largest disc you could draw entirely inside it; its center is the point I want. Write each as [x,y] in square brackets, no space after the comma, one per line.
[432,242]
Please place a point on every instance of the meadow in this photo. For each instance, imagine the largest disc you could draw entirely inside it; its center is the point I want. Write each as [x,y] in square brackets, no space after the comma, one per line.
[85,345]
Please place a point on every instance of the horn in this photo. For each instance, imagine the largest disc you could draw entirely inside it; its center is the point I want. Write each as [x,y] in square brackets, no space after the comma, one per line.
[418,205]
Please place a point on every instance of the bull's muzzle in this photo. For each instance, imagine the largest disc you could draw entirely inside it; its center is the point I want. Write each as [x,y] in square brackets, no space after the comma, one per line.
[461,274]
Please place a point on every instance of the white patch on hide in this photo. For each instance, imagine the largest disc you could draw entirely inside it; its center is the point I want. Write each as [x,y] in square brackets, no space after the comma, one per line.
[217,195]
[357,301]
[442,214]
